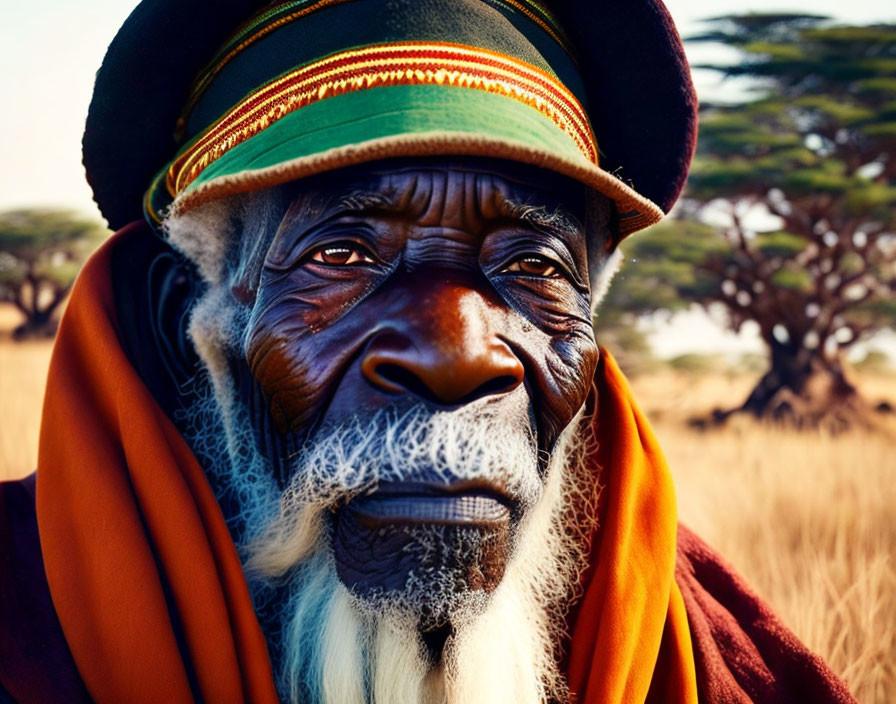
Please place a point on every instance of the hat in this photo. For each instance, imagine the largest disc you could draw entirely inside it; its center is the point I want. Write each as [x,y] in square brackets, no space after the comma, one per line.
[197,100]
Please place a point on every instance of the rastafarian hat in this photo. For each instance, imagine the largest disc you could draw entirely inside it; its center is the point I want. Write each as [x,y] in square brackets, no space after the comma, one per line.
[199,99]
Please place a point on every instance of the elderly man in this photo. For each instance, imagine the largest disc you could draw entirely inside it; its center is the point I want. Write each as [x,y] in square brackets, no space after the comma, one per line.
[333,426]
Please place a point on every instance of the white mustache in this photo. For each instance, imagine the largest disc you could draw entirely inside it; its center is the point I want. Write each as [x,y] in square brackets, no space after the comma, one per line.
[415,446]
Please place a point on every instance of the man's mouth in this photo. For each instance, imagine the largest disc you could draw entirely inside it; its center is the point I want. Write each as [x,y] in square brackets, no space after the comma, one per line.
[446,539]
[461,503]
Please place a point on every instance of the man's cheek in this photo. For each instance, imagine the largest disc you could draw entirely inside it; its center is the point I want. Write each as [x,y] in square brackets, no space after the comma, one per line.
[565,380]
[314,301]
[295,366]
[298,341]
[291,386]
[558,341]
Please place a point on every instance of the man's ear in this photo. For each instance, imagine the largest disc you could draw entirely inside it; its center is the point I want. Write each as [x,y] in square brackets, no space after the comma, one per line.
[174,287]
[155,289]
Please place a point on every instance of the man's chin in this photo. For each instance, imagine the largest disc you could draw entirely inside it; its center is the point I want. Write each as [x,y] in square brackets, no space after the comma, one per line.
[437,570]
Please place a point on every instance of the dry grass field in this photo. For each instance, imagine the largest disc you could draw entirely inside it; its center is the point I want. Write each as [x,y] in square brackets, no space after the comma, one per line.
[23,372]
[807,518]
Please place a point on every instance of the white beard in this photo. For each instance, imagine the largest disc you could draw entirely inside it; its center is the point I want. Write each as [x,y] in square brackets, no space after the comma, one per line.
[338,648]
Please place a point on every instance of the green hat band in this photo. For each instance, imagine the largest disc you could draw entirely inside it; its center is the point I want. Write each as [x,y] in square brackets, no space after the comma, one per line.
[384,67]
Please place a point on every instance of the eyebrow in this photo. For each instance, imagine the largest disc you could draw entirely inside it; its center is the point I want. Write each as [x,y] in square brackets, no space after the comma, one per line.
[360,200]
[553,222]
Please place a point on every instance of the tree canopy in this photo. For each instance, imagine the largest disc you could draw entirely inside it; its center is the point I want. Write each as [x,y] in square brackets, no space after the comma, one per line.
[789,217]
[41,252]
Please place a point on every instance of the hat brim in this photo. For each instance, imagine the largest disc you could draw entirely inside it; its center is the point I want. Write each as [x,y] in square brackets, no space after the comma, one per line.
[407,121]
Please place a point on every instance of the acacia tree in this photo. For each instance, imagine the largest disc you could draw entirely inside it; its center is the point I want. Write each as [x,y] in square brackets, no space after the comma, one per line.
[41,252]
[790,212]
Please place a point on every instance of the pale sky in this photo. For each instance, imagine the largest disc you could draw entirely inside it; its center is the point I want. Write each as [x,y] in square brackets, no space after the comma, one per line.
[50,49]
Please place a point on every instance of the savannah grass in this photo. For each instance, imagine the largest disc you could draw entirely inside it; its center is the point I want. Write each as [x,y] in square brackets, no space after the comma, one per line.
[806,518]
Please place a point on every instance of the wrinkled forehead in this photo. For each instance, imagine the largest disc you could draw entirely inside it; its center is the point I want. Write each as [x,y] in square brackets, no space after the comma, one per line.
[462,194]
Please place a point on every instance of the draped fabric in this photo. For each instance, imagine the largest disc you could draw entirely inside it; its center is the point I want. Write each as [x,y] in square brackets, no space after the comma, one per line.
[631,621]
[147,583]
[141,568]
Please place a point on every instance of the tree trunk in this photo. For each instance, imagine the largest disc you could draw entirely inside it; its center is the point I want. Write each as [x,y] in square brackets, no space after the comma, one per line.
[806,389]
[45,299]
[39,324]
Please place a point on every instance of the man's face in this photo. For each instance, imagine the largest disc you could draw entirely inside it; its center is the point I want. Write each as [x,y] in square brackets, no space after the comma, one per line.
[406,300]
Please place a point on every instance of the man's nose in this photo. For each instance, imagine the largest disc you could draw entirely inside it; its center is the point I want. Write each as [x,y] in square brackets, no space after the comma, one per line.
[444,347]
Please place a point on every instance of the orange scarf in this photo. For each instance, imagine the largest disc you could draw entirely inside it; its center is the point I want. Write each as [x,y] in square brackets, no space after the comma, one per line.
[148,586]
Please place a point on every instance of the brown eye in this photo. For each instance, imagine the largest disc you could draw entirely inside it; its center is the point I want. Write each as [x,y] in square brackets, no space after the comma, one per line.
[534,266]
[341,255]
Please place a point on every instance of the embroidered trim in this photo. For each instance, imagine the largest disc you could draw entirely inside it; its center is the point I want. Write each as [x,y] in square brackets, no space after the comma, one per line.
[407,63]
